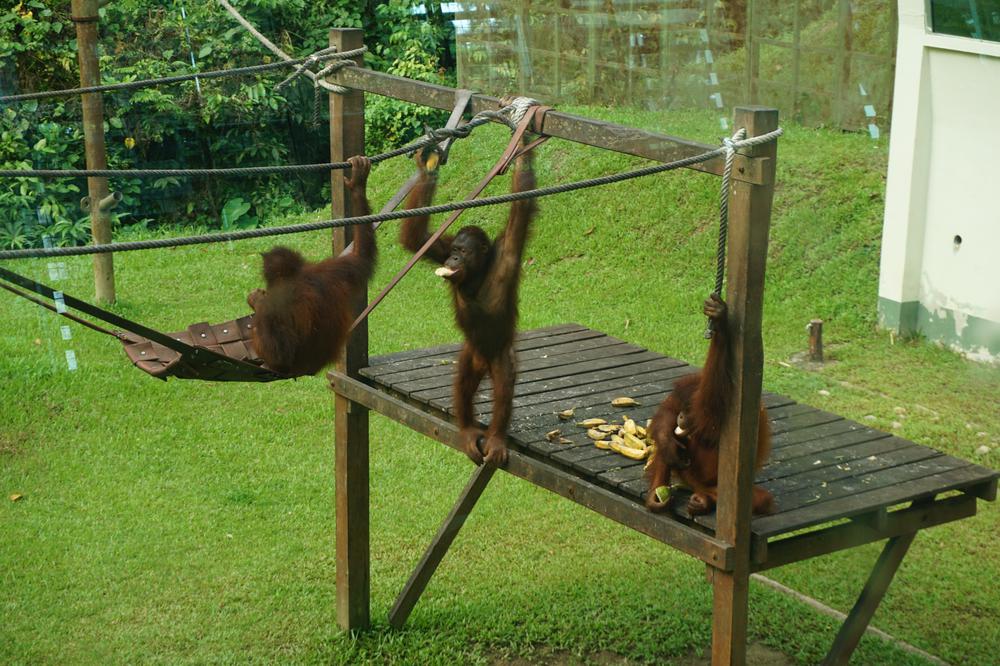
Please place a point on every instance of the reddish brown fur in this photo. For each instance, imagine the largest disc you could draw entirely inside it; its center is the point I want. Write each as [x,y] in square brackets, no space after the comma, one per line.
[703,398]
[484,294]
[302,320]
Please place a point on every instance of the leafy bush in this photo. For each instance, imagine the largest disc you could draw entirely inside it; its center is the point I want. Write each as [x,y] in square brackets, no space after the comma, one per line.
[218,123]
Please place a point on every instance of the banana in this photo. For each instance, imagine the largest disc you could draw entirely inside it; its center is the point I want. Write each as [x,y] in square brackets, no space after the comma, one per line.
[565,415]
[603,444]
[609,427]
[591,423]
[630,427]
[629,452]
[624,402]
[634,442]
[595,434]
[553,435]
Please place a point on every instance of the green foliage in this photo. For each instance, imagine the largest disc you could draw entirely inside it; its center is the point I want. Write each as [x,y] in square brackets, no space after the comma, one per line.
[218,123]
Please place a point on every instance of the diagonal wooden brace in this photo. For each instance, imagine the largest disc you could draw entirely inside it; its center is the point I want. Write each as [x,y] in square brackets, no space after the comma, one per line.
[435,552]
[871,596]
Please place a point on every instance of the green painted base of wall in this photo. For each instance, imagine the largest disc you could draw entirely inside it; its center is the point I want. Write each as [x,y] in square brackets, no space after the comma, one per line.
[979,338]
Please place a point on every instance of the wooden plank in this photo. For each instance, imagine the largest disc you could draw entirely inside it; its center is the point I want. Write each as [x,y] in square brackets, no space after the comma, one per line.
[805,420]
[610,136]
[843,471]
[439,373]
[849,434]
[533,365]
[614,461]
[814,432]
[439,545]
[647,391]
[786,411]
[453,347]
[852,485]
[842,463]
[618,386]
[871,596]
[347,138]
[959,477]
[622,475]
[598,499]
[749,222]
[436,358]
[850,535]
[547,380]
[875,442]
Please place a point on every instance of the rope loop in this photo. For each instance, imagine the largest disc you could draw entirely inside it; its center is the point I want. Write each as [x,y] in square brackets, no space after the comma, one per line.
[730,144]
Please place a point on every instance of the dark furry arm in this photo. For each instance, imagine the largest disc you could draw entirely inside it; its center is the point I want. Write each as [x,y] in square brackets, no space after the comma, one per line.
[510,245]
[413,233]
[710,401]
[365,251]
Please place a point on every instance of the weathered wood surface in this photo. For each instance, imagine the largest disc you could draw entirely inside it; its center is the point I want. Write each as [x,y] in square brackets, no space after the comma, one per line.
[599,133]
[347,138]
[822,468]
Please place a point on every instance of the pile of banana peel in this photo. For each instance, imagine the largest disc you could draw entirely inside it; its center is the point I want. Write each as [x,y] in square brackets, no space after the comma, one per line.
[627,438]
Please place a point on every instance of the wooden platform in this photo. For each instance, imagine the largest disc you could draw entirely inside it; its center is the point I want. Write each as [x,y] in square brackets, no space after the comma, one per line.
[823,467]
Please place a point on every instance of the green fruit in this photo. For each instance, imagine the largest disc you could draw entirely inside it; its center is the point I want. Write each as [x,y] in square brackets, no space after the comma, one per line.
[662,494]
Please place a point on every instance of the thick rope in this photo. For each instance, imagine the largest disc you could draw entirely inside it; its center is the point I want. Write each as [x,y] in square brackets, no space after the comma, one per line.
[273,48]
[433,136]
[392,215]
[146,83]
[720,251]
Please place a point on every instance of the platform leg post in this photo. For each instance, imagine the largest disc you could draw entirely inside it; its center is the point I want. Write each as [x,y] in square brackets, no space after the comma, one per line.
[347,138]
[871,596]
[428,564]
[749,222]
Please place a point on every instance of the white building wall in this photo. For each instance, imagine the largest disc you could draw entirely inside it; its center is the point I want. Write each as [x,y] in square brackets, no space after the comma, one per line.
[940,271]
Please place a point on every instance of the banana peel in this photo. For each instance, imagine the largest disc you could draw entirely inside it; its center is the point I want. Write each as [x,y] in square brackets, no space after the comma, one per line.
[624,402]
[628,452]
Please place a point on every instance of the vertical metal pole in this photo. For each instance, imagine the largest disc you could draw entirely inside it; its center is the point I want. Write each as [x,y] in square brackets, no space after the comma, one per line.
[749,222]
[592,44]
[347,138]
[796,57]
[846,28]
[84,14]
[752,52]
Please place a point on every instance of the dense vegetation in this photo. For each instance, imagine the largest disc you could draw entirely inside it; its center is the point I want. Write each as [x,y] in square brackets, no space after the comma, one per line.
[224,122]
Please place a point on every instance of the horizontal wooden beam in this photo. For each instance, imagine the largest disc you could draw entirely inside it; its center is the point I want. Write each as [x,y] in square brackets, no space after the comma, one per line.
[858,533]
[598,133]
[616,507]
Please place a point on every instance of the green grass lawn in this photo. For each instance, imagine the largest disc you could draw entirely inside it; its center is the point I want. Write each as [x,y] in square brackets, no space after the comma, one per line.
[193,522]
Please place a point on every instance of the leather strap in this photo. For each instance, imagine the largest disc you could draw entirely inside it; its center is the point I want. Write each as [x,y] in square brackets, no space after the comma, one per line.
[505,159]
[462,97]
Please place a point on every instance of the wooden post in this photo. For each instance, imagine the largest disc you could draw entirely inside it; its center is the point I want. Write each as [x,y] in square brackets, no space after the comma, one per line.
[861,614]
[347,138]
[85,18]
[846,28]
[749,221]
[816,340]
